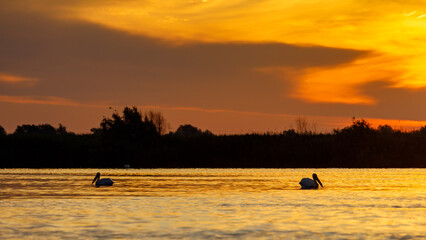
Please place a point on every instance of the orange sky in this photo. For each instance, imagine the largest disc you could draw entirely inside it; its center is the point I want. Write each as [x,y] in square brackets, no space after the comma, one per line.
[226,66]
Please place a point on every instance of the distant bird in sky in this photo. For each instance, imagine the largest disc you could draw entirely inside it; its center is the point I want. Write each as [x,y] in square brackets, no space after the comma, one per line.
[102,182]
[308,183]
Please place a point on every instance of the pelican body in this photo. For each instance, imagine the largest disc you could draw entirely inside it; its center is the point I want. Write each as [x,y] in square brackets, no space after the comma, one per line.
[307,183]
[102,182]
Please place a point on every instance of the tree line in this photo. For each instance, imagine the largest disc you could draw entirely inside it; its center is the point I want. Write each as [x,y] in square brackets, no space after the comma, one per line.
[141,140]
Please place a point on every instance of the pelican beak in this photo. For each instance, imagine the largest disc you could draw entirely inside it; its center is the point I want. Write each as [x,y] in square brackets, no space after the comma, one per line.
[98,175]
[315,177]
[319,182]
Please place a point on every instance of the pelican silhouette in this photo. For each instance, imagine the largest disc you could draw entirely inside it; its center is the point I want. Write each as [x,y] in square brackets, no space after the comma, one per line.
[102,182]
[308,183]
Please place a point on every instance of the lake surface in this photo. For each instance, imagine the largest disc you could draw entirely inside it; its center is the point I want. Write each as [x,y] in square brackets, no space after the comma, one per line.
[212,204]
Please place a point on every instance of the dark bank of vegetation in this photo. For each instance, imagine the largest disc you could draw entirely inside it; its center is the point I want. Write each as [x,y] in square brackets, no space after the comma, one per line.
[140,140]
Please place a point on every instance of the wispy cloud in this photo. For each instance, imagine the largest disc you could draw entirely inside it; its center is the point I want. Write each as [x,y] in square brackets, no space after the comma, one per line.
[129,69]
[390,29]
[45,100]
[343,83]
[14,79]
[255,57]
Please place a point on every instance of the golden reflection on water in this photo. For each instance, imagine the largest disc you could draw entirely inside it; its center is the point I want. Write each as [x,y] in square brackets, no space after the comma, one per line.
[213,203]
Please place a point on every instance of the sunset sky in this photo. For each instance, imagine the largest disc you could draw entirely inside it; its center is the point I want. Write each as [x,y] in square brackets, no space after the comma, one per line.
[227,66]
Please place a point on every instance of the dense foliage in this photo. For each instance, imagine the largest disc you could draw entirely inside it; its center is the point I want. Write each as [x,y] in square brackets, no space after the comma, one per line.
[139,140]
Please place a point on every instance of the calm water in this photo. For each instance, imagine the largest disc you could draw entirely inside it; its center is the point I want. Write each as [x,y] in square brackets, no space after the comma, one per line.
[212,204]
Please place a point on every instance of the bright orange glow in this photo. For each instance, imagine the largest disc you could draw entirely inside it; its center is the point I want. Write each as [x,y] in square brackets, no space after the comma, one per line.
[341,83]
[219,121]
[395,30]
[392,34]
[403,125]
[315,123]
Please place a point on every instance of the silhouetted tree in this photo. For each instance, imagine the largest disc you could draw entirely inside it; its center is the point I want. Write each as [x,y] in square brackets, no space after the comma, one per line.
[359,128]
[61,129]
[158,120]
[385,129]
[289,132]
[302,125]
[422,131]
[188,131]
[2,131]
[131,125]
[42,129]
[134,138]
[207,133]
